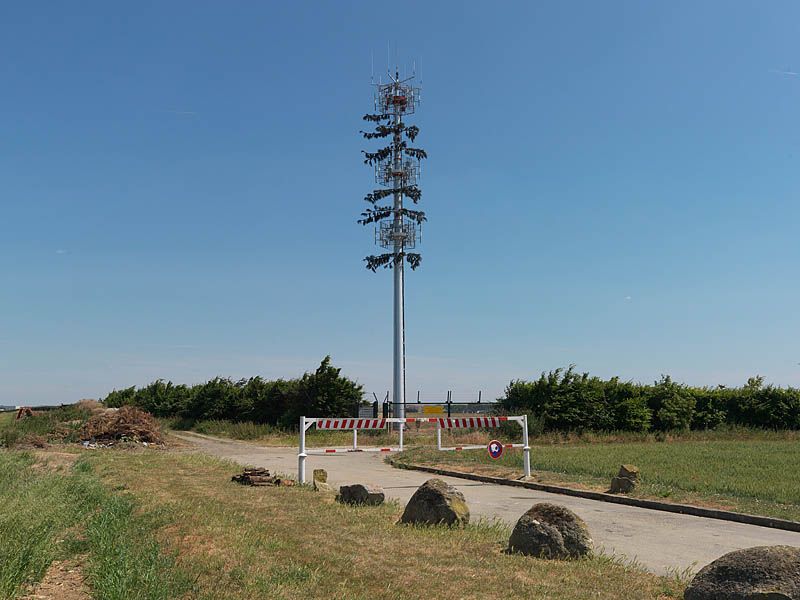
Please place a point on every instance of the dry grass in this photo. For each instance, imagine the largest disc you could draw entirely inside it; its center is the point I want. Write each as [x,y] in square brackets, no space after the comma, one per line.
[243,542]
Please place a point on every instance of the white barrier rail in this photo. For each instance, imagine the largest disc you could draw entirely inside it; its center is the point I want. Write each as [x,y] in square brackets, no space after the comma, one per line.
[340,424]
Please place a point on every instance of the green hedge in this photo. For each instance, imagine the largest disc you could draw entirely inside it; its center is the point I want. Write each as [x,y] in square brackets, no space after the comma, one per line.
[563,400]
[323,393]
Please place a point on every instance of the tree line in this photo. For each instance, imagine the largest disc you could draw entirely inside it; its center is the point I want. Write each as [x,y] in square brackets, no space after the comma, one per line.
[565,400]
[559,400]
[281,402]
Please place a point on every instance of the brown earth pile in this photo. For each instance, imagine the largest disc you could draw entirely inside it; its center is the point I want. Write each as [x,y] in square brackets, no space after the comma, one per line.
[127,423]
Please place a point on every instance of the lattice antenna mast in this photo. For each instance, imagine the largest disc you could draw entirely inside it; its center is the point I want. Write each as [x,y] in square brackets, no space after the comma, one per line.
[397,229]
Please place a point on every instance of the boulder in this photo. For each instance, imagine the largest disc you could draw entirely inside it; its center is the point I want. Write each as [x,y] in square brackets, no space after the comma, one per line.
[361,494]
[321,486]
[626,480]
[550,531]
[436,502]
[763,572]
[320,481]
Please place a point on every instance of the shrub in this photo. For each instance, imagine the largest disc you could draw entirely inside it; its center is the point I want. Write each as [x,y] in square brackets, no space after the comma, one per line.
[323,393]
[563,400]
[672,405]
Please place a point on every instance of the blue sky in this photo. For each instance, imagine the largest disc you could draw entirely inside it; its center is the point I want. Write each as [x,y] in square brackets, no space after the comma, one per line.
[613,185]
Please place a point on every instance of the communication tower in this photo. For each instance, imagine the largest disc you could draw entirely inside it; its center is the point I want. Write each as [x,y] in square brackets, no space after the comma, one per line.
[397,228]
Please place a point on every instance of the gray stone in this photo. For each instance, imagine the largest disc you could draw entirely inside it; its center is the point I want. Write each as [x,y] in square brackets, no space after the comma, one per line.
[357,493]
[436,503]
[550,531]
[321,486]
[626,480]
[760,573]
[320,481]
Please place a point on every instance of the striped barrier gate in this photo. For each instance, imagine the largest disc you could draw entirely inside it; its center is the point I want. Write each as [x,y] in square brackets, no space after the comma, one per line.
[441,423]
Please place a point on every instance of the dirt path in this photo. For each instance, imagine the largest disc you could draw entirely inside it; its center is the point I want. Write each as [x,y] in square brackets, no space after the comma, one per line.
[661,541]
[62,581]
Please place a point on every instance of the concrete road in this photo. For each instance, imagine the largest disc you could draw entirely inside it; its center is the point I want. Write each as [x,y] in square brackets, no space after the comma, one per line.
[661,541]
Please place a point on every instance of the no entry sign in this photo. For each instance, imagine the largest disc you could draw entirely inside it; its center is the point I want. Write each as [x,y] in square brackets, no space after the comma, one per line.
[495,449]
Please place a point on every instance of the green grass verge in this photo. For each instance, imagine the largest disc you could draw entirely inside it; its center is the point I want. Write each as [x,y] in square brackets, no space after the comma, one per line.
[153,524]
[57,425]
[52,509]
[755,475]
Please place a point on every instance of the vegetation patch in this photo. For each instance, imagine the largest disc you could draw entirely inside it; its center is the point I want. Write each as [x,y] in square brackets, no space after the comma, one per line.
[254,542]
[53,426]
[65,513]
[565,400]
[280,402]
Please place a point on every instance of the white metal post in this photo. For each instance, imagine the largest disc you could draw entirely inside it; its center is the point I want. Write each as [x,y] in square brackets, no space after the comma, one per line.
[526,449]
[301,456]
[399,383]
[438,435]
[355,438]
[402,427]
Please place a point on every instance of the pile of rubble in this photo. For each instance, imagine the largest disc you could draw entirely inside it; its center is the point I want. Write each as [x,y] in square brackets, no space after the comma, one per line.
[260,477]
[108,426]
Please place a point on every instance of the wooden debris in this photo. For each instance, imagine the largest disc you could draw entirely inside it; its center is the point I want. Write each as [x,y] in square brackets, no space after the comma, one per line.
[260,477]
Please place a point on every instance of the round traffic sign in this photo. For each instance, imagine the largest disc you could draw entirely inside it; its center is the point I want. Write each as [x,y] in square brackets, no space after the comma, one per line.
[495,449]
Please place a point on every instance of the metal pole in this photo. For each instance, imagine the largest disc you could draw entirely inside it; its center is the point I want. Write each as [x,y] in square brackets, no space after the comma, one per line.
[526,449]
[355,438]
[402,427]
[438,436]
[399,386]
[301,456]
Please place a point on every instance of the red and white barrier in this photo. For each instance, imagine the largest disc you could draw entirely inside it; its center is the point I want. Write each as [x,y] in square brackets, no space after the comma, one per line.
[350,423]
[443,423]
[471,422]
[483,447]
[342,450]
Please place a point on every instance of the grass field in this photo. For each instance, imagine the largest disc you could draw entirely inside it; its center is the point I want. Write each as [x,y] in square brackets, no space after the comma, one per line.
[6,418]
[61,424]
[158,524]
[54,508]
[752,472]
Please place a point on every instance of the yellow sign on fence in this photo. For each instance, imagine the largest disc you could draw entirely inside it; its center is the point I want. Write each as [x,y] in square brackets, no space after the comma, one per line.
[433,410]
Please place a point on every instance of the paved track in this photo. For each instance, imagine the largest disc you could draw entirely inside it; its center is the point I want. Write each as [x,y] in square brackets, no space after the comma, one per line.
[661,541]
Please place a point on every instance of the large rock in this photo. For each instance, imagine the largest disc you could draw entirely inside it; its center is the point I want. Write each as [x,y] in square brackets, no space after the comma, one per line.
[320,481]
[626,480]
[763,573]
[550,531]
[436,502]
[361,494]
